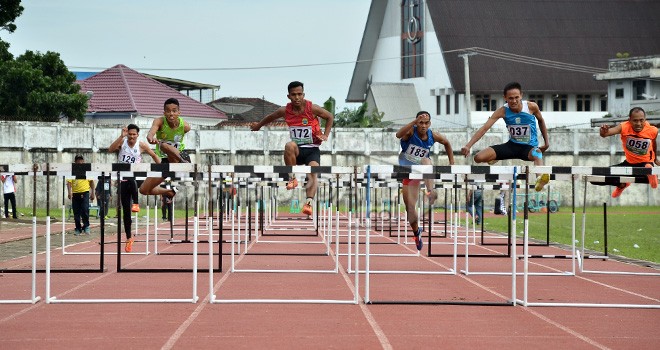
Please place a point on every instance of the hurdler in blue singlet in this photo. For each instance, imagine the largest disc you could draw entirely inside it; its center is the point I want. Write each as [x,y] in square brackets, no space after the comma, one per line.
[521,125]
[415,149]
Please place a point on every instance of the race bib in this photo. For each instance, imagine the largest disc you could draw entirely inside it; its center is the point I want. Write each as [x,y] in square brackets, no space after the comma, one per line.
[415,154]
[520,133]
[301,135]
[638,146]
[172,143]
[127,159]
[106,186]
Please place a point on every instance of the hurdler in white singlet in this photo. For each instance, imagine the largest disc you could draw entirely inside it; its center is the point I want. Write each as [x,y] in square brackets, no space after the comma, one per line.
[128,154]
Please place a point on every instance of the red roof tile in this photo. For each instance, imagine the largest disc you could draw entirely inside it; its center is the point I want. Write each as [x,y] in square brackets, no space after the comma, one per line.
[121,89]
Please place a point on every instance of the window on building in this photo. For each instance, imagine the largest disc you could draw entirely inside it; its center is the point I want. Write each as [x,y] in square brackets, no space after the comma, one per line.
[447,107]
[618,93]
[456,100]
[639,88]
[438,107]
[603,103]
[559,103]
[412,35]
[583,103]
[538,99]
[485,103]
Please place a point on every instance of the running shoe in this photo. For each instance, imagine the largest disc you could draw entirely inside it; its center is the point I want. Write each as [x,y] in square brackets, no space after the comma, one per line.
[76,232]
[135,208]
[618,190]
[293,183]
[129,245]
[307,209]
[653,179]
[168,199]
[419,243]
[541,181]
[87,230]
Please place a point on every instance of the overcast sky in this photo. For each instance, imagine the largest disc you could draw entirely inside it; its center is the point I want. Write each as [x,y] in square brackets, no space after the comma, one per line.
[199,40]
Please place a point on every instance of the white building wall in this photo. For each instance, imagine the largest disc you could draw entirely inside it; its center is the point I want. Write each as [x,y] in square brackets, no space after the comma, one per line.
[28,143]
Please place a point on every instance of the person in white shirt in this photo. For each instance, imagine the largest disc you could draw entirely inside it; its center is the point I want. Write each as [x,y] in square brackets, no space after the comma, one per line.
[9,189]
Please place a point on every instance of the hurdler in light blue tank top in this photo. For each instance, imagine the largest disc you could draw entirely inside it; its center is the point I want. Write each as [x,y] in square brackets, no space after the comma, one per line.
[521,126]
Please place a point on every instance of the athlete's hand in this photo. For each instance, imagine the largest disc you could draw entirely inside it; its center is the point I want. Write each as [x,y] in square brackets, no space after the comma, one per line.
[544,147]
[254,126]
[152,139]
[465,151]
[603,130]
[124,131]
[322,137]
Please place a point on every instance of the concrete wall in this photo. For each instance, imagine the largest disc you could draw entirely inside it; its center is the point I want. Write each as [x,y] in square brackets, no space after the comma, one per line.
[27,143]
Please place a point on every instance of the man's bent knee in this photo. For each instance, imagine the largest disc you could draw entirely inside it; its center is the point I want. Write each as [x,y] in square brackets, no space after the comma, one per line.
[291,147]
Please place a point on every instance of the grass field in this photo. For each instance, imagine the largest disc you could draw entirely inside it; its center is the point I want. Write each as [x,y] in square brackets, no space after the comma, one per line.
[632,232]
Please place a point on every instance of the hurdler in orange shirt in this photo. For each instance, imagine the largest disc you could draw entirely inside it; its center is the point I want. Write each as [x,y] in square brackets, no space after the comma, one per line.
[638,138]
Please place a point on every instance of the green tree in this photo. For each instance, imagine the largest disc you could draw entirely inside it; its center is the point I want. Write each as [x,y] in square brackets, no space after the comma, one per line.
[360,118]
[9,11]
[35,86]
[39,86]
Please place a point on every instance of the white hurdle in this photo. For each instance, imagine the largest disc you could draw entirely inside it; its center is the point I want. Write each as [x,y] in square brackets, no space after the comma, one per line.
[326,232]
[64,168]
[581,253]
[415,169]
[585,171]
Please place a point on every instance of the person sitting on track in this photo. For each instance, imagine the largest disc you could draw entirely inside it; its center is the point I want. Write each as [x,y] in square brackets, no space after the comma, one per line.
[301,117]
[417,139]
[520,117]
[638,138]
[167,134]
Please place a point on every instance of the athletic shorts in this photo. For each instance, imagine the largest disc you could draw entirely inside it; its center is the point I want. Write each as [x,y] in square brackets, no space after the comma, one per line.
[411,182]
[183,154]
[307,155]
[632,165]
[512,150]
[614,180]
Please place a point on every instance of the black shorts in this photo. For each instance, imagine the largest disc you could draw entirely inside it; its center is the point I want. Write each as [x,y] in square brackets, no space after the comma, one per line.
[615,180]
[512,150]
[307,155]
[633,165]
[183,154]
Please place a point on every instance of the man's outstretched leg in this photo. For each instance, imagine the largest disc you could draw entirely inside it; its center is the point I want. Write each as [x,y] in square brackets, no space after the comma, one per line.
[310,191]
[150,186]
[290,155]
[410,196]
[430,190]
[543,179]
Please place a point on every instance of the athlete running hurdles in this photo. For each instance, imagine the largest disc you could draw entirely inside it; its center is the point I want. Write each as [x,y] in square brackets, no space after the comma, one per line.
[301,116]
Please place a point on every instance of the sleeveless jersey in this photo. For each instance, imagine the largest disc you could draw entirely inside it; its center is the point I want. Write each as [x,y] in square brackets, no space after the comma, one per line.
[304,128]
[128,154]
[521,126]
[171,136]
[415,149]
[638,146]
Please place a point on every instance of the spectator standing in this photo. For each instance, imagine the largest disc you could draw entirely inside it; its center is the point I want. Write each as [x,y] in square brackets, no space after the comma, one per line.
[79,192]
[9,189]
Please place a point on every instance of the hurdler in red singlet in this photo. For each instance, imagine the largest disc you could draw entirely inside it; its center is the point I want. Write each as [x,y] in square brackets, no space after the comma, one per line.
[301,117]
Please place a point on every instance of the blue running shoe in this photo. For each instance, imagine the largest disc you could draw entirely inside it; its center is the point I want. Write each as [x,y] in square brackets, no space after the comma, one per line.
[419,243]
